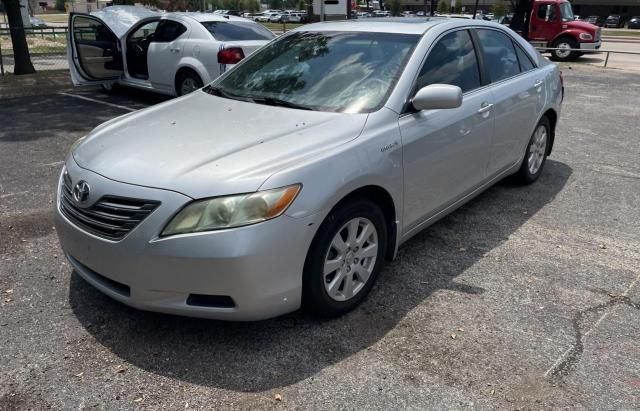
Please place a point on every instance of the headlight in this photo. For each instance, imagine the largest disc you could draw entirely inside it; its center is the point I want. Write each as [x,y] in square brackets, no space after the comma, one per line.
[232,211]
[586,36]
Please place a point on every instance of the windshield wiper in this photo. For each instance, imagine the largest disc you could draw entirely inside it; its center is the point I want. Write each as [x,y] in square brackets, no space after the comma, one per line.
[217,91]
[272,101]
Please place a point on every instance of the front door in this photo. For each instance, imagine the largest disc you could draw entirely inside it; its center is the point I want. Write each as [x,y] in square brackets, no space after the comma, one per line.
[445,152]
[95,56]
[545,22]
[165,52]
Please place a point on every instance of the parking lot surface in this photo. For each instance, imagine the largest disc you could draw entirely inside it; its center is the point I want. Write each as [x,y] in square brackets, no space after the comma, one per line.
[526,298]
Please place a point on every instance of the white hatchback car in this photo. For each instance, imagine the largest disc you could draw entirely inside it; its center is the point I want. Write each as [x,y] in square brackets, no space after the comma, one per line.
[170,53]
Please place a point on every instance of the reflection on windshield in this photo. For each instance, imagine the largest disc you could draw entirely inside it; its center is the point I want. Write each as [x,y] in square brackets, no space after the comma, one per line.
[351,72]
[566,12]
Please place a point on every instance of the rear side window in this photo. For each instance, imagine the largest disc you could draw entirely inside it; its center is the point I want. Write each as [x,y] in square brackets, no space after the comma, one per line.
[168,30]
[451,61]
[525,61]
[499,55]
[237,31]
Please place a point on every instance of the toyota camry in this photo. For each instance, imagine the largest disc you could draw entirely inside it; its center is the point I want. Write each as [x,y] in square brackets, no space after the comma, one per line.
[291,179]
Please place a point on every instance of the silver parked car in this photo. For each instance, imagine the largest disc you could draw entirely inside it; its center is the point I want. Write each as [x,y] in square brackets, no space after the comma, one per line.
[289,180]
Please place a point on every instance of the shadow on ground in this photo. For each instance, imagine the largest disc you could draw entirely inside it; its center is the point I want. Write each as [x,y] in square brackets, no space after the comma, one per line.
[279,352]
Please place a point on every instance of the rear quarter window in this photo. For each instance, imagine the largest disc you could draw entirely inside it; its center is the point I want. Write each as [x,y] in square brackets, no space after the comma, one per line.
[237,31]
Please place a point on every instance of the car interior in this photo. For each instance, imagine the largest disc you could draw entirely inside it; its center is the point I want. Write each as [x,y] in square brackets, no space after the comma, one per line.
[96,46]
[137,45]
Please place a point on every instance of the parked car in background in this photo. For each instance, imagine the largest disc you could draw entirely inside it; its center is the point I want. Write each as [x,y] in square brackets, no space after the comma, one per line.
[276,18]
[173,53]
[595,20]
[408,14]
[37,23]
[614,21]
[289,181]
[634,22]
[506,20]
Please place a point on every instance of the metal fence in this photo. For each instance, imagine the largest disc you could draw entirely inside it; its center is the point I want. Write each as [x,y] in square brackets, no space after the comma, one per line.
[47,47]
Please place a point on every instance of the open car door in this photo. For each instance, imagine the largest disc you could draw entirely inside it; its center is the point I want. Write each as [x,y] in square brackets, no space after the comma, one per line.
[93,50]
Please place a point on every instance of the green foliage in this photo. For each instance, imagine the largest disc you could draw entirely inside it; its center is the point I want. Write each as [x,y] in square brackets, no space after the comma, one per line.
[499,8]
[125,2]
[458,7]
[396,7]
[275,4]
[302,5]
[59,5]
[443,7]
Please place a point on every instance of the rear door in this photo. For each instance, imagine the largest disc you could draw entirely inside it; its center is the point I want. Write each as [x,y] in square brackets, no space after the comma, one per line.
[165,51]
[94,51]
[517,88]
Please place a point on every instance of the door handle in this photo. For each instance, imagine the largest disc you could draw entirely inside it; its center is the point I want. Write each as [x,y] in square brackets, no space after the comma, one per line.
[174,50]
[538,83]
[485,107]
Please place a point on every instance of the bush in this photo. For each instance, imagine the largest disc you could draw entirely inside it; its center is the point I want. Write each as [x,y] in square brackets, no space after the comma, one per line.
[443,7]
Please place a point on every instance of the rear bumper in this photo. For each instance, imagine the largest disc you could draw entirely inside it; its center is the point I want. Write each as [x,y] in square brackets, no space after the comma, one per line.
[590,47]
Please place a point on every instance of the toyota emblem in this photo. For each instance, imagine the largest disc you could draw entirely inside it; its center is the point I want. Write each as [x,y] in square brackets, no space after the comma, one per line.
[81,191]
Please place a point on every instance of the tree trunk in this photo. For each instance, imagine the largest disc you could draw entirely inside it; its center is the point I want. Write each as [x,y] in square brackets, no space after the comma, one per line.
[22,60]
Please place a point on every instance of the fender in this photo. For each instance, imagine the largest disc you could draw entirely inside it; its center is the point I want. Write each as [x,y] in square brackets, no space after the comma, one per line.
[573,33]
[197,66]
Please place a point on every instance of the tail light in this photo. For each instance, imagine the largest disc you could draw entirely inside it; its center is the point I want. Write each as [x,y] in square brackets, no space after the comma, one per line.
[231,55]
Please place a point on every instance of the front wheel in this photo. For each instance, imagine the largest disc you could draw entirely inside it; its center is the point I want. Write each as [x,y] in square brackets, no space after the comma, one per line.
[344,259]
[536,153]
[564,54]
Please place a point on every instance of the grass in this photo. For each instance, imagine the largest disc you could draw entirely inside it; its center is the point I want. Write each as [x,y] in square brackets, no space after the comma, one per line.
[626,33]
[54,18]
[278,26]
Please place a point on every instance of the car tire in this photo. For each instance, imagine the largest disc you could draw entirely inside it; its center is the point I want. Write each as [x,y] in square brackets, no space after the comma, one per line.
[356,267]
[536,154]
[560,55]
[187,81]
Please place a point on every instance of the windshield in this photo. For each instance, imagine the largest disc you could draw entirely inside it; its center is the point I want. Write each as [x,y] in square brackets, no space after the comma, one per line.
[350,72]
[566,12]
[233,31]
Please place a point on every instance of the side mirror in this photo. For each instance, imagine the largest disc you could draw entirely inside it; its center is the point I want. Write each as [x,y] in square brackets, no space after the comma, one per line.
[437,96]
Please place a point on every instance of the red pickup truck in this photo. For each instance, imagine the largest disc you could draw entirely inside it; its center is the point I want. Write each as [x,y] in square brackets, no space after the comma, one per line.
[550,23]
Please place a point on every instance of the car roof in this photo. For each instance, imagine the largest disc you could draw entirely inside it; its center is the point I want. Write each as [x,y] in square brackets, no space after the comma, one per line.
[207,17]
[401,25]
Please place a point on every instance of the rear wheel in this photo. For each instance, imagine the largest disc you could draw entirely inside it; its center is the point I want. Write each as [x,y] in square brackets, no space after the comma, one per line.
[187,81]
[564,54]
[536,153]
[344,259]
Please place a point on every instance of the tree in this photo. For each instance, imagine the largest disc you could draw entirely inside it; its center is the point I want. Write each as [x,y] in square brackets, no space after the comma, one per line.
[396,7]
[458,7]
[443,8]
[22,59]
[499,8]
[60,5]
[302,5]
[123,2]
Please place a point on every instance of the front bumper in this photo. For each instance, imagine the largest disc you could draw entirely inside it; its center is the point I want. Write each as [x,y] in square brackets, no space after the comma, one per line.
[259,267]
[590,47]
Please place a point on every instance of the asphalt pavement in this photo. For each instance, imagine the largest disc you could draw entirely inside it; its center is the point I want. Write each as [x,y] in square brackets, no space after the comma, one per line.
[526,298]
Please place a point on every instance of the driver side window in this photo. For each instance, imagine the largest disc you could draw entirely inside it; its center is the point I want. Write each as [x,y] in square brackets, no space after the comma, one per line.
[546,12]
[451,61]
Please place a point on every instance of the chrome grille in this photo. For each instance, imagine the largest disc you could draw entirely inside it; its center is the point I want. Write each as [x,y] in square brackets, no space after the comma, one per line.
[111,217]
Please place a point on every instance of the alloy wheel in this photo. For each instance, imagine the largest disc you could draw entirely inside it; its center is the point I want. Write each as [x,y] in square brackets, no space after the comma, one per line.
[537,149]
[188,85]
[350,259]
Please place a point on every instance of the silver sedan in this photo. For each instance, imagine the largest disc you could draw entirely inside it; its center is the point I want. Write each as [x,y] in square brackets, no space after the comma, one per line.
[289,181]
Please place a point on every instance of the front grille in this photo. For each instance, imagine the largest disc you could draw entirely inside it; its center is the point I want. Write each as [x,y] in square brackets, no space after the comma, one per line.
[111,217]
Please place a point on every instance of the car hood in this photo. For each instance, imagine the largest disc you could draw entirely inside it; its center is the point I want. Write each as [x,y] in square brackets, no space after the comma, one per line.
[204,146]
[582,25]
